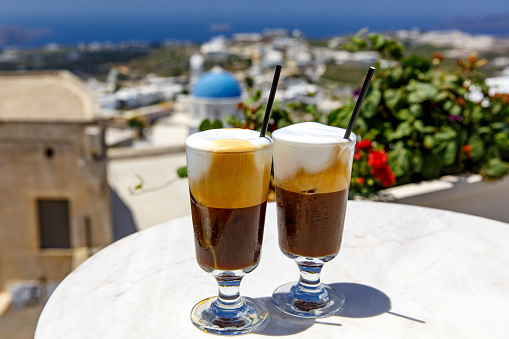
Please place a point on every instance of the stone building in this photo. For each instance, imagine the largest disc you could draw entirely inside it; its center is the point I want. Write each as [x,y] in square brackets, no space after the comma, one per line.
[54,194]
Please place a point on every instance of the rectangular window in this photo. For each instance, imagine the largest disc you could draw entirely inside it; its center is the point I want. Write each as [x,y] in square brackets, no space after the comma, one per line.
[54,223]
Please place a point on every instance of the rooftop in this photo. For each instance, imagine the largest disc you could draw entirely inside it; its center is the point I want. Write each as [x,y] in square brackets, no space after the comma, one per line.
[217,84]
[50,96]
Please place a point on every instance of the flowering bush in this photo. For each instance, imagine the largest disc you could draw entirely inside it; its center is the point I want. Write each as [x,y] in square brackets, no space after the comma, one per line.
[427,120]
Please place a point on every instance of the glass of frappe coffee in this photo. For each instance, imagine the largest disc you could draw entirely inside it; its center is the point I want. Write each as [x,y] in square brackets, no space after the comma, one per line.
[312,170]
[229,174]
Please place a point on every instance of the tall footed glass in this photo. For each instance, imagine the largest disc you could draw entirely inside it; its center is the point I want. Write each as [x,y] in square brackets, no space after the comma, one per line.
[228,171]
[312,164]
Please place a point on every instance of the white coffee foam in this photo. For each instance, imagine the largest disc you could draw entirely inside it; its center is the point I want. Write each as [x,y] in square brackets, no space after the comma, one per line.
[309,146]
[312,133]
[203,140]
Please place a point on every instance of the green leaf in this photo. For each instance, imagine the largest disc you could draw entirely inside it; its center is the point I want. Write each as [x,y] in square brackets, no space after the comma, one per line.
[415,97]
[377,40]
[477,114]
[332,117]
[450,153]
[182,172]
[419,126]
[426,76]
[477,147]
[371,103]
[502,139]
[399,159]
[216,124]
[448,105]
[394,77]
[417,62]
[484,130]
[496,107]
[442,95]
[429,141]
[416,110]
[358,41]
[447,134]
[455,110]
[253,98]
[432,167]
[283,123]
[205,125]
[417,161]
[420,91]
[392,97]
[403,114]
[232,121]
[496,168]
[401,131]
[498,125]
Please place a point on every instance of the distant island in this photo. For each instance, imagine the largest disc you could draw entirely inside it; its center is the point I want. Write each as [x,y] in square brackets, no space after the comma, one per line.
[489,24]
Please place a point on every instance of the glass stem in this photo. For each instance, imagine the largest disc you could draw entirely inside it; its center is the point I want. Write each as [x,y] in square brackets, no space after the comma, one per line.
[229,291]
[309,280]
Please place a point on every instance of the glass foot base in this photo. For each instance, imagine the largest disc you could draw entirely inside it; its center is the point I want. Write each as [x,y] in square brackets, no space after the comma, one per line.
[251,316]
[290,300]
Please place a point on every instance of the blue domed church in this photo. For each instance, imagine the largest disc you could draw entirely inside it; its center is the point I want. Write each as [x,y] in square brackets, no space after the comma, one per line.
[214,96]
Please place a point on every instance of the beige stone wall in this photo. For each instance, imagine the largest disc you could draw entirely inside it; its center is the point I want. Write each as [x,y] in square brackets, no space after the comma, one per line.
[28,174]
[2,281]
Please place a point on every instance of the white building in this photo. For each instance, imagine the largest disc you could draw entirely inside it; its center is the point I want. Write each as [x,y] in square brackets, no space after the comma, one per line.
[215,95]
[216,48]
[196,67]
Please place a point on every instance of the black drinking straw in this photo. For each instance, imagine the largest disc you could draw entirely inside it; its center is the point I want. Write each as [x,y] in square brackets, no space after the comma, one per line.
[360,99]
[271,101]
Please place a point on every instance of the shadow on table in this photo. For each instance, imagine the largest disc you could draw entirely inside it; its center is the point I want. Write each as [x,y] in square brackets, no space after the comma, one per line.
[280,324]
[361,302]
[123,221]
[364,301]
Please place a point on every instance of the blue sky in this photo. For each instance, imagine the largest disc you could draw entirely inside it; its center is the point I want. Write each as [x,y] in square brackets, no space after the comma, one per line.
[71,21]
[25,10]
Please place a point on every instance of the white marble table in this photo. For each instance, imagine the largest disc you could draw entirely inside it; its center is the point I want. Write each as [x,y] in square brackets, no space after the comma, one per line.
[407,272]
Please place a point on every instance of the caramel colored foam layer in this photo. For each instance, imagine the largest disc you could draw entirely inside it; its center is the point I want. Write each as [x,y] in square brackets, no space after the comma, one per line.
[232,145]
[333,176]
[238,176]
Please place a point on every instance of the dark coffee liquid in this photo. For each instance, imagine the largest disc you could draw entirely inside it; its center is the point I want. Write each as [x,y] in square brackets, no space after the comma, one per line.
[228,239]
[311,224]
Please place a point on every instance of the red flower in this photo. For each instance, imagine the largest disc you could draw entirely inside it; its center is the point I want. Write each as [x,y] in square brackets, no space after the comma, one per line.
[505,98]
[385,175]
[360,181]
[467,149]
[240,106]
[363,144]
[357,155]
[377,159]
